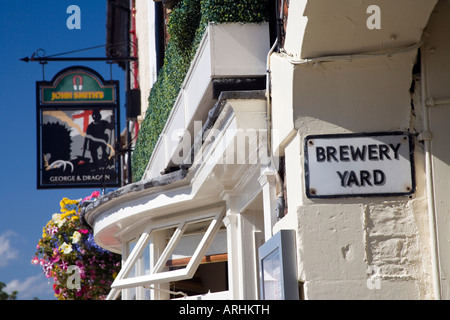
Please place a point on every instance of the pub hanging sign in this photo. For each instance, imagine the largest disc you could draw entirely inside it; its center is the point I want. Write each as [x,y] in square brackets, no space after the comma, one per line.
[77,130]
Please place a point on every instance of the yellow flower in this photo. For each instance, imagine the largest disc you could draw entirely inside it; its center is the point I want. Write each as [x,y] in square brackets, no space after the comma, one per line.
[62,203]
[64,215]
[66,203]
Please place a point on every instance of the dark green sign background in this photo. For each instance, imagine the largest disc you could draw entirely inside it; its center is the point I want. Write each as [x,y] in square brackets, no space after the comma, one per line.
[77,87]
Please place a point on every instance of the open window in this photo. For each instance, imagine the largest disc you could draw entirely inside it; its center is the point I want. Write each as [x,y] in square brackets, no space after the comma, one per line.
[178,247]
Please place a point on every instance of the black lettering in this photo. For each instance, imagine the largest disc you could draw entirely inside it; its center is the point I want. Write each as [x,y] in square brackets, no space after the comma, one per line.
[395,149]
[358,153]
[343,153]
[331,153]
[384,152]
[378,177]
[343,177]
[320,154]
[373,152]
[365,178]
[352,179]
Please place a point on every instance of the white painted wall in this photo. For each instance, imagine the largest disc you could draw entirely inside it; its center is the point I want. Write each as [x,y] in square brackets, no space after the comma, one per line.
[340,27]
[436,79]
[145,31]
[340,240]
[357,248]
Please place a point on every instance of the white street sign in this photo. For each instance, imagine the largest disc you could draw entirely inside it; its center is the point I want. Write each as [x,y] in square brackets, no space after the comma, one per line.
[359,165]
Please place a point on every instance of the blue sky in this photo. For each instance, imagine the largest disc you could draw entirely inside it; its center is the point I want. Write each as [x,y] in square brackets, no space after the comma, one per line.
[26,26]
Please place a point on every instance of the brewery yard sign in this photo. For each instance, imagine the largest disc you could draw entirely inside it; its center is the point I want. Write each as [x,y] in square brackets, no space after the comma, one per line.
[359,165]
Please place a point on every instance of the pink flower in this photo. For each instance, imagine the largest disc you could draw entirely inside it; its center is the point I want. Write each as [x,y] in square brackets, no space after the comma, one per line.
[51,230]
[47,269]
[64,265]
[95,194]
[35,260]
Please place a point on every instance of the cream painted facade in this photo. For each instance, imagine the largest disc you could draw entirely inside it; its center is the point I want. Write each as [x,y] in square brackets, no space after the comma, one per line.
[334,75]
[145,33]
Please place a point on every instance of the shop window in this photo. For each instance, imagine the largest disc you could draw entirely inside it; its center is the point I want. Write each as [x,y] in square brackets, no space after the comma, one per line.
[185,251]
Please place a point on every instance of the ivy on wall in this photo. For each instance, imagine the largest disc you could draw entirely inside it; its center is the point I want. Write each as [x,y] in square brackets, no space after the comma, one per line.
[186,26]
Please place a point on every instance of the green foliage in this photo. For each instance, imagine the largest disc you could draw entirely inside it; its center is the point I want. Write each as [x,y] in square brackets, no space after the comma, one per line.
[5,295]
[186,26]
[223,11]
[183,24]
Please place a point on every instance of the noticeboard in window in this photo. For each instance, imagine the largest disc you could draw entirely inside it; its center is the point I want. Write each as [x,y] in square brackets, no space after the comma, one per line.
[278,267]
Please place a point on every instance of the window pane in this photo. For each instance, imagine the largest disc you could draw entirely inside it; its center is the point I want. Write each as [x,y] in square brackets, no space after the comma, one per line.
[171,253]
[189,242]
[130,294]
[272,276]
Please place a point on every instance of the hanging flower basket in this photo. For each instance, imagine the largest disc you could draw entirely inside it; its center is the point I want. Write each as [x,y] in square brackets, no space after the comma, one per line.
[68,255]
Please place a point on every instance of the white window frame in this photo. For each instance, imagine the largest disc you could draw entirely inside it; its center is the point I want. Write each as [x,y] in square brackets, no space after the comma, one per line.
[122,281]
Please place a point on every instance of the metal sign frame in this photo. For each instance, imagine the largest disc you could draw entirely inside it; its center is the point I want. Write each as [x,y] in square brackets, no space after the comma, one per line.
[408,156]
[78,130]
